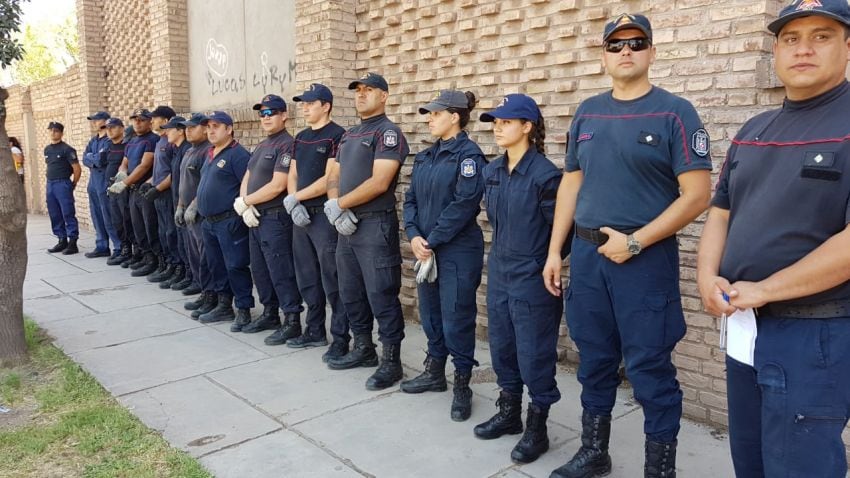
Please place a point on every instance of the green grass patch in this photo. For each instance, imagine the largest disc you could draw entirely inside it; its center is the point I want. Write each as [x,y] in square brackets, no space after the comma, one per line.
[73,427]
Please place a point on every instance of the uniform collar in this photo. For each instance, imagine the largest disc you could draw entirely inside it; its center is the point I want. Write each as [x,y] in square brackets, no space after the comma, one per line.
[820,100]
[523,164]
[375,119]
[453,145]
[278,134]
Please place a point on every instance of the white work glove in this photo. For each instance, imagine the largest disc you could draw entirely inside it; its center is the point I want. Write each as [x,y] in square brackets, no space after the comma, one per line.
[179,211]
[251,217]
[120,176]
[346,224]
[290,202]
[426,271]
[191,214]
[239,206]
[332,210]
[300,216]
[117,188]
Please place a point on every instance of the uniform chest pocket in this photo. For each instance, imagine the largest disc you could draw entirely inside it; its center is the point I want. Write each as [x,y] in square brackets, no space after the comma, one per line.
[649,138]
[820,165]
[491,199]
[268,157]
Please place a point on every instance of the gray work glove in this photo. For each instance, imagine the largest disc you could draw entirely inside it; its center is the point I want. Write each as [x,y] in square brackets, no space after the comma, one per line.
[191,214]
[178,216]
[290,202]
[251,217]
[426,271]
[332,210]
[300,216]
[121,176]
[346,224]
[117,188]
[239,206]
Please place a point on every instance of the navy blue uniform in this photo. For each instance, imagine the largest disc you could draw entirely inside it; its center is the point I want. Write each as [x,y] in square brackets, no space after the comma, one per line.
[369,261]
[190,176]
[164,204]
[94,158]
[522,316]
[119,204]
[142,211]
[225,235]
[441,206]
[182,233]
[60,192]
[786,185]
[271,242]
[630,153]
[315,244]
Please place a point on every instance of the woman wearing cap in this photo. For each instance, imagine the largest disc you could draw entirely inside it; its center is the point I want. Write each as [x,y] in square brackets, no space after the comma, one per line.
[440,210]
[520,190]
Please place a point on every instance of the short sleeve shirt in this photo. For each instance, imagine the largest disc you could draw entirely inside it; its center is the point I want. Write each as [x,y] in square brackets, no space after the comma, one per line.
[190,170]
[176,159]
[136,149]
[221,178]
[631,153]
[59,158]
[272,155]
[786,185]
[162,157]
[114,157]
[313,148]
[374,138]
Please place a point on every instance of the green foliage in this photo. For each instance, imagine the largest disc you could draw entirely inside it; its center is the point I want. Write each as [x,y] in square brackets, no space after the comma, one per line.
[10,23]
[49,47]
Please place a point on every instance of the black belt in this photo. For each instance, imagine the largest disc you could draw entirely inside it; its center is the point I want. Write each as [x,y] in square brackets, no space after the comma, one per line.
[594,236]
[315,209]
[220,217]
[824,310]
[270,210]
[368,214]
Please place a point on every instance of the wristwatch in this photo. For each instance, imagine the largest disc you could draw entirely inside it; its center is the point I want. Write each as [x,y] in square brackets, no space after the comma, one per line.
[633,244]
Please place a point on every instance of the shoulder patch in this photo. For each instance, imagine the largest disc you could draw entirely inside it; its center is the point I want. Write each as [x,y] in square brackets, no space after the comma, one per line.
[468,168]
[285,160]
[390,138]
[584,137]
[700,142]
[221,163]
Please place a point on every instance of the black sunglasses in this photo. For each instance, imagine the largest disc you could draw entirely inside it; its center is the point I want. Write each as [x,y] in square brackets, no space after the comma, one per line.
[267,113]
[635,44]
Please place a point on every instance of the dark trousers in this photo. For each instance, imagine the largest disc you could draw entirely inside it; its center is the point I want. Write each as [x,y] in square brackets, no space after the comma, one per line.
[787,413]
[447,308]
[369,267]
[164,206]
[60,208]
[101,213]
[226,250]
[197,258]
[631,312]
[315,267]
[522,326]
[272,263]
[119,205]
[145,227]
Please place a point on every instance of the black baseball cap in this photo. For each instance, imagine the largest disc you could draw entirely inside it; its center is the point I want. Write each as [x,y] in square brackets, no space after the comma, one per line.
[141,113]
[317,91]
[163,112]
[176,122]
[370,79]
[100,115]
[56,125]
[111,122]
[838,10]
[444,100]
[196,119]
[626,21]
[272,102]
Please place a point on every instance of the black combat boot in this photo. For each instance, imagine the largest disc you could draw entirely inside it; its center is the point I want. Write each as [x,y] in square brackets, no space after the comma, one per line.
[59,247]
[198,302]
[433,379]
[307,340]
[206,306]
[660,459]
[95,254]
[135,261]
[337,350]
[268,320]
[177,276]
[223,311]
[390,371]
[191,290]
[243,318]
[163,273]
[72,248]
[535,440]
[592,459]
[119,256]
[363,355]
[507,421]
[290,329]
[462,401]
[185,282]
[148,267]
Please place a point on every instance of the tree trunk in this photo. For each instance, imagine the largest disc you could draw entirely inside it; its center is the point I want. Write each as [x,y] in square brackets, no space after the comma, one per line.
[13,250]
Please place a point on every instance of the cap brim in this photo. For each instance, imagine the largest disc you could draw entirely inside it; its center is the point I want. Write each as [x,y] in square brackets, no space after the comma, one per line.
[257,107]
[776,26]
[306,97]
[432,107]
[353,84]
[487,117]
[629,26]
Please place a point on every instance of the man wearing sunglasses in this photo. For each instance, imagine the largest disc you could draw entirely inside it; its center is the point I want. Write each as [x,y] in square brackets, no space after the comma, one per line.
[637,171]
[94,158]
[260,203]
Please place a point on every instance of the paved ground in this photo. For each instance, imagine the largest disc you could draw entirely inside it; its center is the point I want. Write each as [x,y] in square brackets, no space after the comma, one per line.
[248,410]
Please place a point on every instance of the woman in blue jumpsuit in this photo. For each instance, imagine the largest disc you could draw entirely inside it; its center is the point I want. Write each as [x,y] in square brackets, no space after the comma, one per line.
[440,210]
[523,319]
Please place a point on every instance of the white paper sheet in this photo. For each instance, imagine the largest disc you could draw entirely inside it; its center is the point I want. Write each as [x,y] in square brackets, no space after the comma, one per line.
[741,332]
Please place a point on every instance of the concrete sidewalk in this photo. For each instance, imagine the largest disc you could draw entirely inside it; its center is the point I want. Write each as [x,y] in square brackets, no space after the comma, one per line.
[249,410]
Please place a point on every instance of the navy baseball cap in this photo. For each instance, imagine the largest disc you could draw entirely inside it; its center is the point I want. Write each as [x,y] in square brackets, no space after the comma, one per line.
[370,79]
[163,112]
[316,92]
[627,21]
[514,106]
[444,100]
[219,117]
[141,113]
[100,115]
[196,119]
[272,102]
[176,122]
[56,125]
[111,122]
[837,10]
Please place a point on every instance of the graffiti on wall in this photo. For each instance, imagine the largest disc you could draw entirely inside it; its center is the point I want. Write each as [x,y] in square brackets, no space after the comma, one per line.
[271,77]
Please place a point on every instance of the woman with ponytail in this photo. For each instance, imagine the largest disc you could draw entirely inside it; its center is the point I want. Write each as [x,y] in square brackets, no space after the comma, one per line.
[440,210]
[523,318]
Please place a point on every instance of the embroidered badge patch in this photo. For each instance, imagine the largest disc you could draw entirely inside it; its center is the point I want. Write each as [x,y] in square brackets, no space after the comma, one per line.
[390,138]
[322,149]
[285,160]
[700,142]
[221,163]
[467,168]
[584,137]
